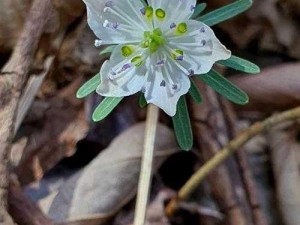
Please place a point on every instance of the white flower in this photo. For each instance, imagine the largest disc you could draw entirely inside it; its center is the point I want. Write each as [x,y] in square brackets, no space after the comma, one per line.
[159,48]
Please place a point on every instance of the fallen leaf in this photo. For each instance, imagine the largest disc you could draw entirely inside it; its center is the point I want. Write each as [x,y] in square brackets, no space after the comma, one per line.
[13,14]
[284,150]
[275,88]
[54,136]
[94,195]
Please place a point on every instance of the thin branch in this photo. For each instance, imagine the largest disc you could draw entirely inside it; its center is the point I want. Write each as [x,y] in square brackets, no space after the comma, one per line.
[245,172]
[226,152]
[12,82]
[146,168]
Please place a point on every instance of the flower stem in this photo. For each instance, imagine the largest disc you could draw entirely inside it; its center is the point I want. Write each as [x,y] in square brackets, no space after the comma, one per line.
[226,152]
[146,167]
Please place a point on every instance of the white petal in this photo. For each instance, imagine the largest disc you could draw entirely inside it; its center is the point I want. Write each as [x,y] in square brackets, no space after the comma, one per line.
[200,46]
[119,77]
[165,84]
[116,21]
[177,11]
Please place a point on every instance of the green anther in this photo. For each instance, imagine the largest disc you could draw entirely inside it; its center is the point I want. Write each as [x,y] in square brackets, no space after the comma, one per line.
[177,53]
[127,50]
[181,28]
[149,12]
[137,61]
[160,14]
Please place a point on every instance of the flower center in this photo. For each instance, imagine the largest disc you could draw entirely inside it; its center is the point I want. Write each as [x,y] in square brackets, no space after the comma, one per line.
[153,40]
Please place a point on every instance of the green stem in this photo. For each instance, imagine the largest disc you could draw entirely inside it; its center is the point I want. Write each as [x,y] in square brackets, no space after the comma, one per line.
[146,167]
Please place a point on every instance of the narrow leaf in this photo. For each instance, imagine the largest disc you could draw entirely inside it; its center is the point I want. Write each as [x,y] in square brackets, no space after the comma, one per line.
[88,87]
[106,107]
[226,12]
[198,10]
[224,87]
[194,92]
[182,125]
[108,49]
[240,64]
[142,100]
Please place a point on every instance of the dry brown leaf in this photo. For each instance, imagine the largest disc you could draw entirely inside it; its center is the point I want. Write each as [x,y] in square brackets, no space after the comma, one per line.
[284,150]
[276,88]
[110,181]
[271,23]
[156,210]
[61,125]
[14,12]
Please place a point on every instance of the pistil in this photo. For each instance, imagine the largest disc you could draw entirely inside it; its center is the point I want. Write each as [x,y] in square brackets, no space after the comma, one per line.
[153,40]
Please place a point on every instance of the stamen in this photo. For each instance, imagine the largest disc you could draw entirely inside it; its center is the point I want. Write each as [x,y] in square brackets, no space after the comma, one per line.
[203,43]
[123,16]
[177,54]
[169,56]
[125,67]
[98,42]
[113,25]
[192,8]
[163,83]
[148,12]
[173,25]
[143,11]
[109,4]
[191,72]
[169,79]
[160,62]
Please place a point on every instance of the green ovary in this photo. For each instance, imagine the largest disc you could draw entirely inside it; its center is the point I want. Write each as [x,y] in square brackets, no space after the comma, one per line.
[153,40]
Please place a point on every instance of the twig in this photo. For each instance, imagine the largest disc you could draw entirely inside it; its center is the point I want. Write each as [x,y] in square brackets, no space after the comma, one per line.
[245,172]
[210,137]
[23,210]
[227,151]
[12,83]
[146,167]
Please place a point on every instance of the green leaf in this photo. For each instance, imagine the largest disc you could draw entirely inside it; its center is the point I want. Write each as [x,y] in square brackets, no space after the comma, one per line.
[108,49]
[240,64]
[89,86]
[142,100]
[226,12]
[144,2]
[105,107]
[194,92]
[198,10]
[182,125]
[224,87]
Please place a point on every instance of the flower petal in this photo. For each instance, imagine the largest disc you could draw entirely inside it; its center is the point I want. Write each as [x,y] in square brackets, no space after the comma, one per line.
[120,77]
[176,11]
[116,21]
[201,49]
[166,83]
